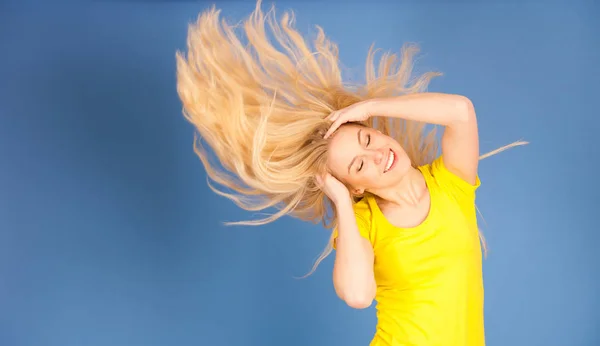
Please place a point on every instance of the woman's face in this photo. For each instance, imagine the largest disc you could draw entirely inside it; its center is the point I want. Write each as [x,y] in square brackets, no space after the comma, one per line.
[366,159]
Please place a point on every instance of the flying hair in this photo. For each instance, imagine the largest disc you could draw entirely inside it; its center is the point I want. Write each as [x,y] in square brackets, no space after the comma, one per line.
[261,109]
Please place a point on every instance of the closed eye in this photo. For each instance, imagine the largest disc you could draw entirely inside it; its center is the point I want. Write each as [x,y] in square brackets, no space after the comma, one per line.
[362,162]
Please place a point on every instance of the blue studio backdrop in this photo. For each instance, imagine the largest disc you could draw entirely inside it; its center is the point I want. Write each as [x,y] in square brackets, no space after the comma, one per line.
[109,235]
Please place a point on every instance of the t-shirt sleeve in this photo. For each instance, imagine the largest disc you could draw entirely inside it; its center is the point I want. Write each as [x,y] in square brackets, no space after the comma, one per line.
[363,229]
[451,183]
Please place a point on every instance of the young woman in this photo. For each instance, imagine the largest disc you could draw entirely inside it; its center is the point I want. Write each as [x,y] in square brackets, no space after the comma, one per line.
[289,134]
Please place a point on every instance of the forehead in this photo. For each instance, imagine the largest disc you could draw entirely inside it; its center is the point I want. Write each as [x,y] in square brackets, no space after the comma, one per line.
[343,147]
[346,137]
[347,132]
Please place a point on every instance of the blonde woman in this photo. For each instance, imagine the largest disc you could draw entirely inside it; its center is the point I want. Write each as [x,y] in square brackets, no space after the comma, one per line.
[289,134]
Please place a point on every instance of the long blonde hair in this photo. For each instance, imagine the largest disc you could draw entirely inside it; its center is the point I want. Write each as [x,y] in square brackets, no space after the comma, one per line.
[261,109]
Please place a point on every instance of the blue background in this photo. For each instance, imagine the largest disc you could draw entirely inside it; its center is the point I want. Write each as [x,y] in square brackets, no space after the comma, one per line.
[110,236]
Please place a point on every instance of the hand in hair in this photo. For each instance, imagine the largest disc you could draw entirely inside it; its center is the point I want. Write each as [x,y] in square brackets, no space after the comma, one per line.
[333,188]
[354,113]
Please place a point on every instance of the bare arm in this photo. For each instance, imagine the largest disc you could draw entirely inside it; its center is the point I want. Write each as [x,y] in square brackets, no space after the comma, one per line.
[460,142]
[353,276]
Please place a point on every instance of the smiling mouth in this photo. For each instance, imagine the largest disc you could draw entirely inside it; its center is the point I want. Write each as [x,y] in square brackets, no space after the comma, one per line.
[391,161]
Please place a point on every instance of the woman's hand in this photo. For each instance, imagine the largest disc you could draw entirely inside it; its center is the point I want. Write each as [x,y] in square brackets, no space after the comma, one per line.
[333,188]
[356,112]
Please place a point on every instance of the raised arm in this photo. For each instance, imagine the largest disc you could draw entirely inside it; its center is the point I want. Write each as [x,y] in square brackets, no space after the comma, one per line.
[353,276]
[460,141]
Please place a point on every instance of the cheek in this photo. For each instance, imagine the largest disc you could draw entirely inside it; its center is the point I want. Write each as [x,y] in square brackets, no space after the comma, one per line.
[403,164]
[371,176]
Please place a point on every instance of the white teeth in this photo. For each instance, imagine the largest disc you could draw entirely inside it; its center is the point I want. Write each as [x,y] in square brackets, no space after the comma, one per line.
[390,161]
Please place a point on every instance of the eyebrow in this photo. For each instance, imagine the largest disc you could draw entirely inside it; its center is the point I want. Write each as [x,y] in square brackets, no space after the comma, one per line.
[352,162]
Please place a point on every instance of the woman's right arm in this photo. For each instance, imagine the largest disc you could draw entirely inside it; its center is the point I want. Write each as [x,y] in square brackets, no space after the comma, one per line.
[353,276]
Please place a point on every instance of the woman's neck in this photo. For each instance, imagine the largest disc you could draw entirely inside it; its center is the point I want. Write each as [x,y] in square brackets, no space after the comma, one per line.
[408,192]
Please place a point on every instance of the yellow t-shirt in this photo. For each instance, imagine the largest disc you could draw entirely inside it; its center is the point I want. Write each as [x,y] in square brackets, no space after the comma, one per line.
[429,277]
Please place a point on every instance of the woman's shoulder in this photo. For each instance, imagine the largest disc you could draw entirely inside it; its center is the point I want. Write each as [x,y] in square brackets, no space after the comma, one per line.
[363,208]
[440,179]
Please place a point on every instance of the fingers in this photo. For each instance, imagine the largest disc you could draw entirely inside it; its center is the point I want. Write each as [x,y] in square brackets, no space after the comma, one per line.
[329,132]
[333,127]
[320,179]
[337,120]
[334,116]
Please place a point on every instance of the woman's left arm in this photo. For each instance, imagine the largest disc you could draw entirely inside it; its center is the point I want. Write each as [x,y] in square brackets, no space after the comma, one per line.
[460,141]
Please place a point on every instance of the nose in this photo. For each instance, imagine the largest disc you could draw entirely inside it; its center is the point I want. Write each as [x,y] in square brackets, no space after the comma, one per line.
[378,156]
